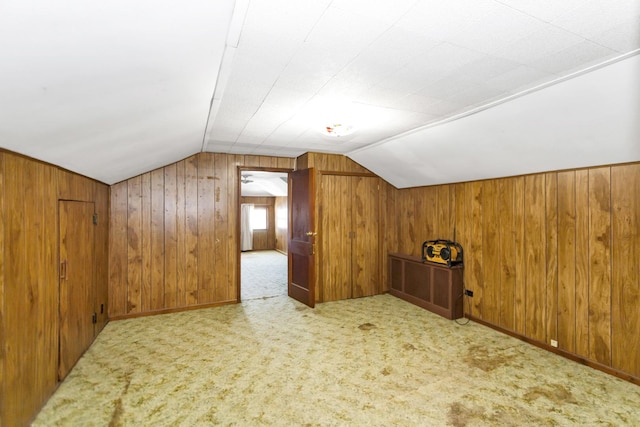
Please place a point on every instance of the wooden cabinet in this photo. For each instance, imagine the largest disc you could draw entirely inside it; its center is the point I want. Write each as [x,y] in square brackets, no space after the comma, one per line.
[436,287]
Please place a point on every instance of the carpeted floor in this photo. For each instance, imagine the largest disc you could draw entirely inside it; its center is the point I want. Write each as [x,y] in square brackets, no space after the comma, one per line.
[376,361]
[263,274]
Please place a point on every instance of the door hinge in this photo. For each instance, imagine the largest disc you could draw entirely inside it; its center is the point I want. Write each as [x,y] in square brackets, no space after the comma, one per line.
[95,219]
[94,318]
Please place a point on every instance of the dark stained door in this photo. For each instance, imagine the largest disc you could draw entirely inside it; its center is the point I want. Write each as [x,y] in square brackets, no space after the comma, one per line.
[302,236]
[76,282]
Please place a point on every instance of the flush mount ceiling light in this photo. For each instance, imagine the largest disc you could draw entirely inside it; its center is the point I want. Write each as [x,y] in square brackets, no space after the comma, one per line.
[336,130]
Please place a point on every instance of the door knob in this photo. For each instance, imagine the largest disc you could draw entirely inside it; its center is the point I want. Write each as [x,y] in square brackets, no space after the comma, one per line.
[311,233]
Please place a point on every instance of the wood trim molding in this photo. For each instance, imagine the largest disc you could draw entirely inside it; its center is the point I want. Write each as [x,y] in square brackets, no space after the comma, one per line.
[568,355]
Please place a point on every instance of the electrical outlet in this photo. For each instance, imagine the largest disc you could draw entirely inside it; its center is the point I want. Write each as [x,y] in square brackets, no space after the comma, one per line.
[468,292]
[554,343]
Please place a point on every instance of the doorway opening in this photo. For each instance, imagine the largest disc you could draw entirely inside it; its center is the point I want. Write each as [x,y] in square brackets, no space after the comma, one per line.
[264,221]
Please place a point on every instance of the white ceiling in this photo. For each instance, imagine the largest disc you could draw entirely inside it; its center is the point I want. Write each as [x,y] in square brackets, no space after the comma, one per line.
[114,89]
[264,184]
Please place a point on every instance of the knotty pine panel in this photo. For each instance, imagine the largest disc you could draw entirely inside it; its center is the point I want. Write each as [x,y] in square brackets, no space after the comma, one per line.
[29,313]
[188,234]
[565,267]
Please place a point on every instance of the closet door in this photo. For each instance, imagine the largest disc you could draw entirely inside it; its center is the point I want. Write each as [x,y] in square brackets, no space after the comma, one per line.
[350,215]
[76,282]
[365,222]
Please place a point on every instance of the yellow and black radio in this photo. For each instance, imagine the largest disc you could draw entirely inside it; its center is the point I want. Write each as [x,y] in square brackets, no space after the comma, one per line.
[442,252]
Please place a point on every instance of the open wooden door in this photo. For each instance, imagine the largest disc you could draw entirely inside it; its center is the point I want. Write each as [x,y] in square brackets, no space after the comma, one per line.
[302,234]
[76,282]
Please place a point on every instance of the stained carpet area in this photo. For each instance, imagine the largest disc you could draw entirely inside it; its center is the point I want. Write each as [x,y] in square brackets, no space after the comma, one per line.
[263,274]
[376,361]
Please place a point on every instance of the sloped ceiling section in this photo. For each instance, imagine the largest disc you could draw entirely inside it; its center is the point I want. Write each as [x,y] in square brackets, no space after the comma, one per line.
[389,67]
[592,119]
[109,89]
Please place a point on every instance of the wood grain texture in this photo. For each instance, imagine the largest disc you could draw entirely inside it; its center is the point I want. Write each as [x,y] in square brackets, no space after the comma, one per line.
[507,259]
[29,291]
[551,245]
[365,261]
[600,265]
[134,245]
[625,252]
[582,262]
[567,261]
[118,249]
[491,247]
[544,255]
[520,256]
[187,232]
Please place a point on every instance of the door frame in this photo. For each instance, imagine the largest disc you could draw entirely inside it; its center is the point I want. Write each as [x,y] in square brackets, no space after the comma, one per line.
[240,170]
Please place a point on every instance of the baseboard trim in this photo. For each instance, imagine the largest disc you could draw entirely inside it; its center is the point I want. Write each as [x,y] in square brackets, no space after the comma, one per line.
[171,310]
[566,354]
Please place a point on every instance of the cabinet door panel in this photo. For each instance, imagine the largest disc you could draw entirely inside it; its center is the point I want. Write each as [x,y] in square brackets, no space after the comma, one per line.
[76,282]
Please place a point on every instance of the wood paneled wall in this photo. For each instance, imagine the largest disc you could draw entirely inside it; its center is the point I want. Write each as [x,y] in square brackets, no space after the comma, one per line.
[282,227]
[341,186]
[29,193]
[174,234]
[551,256]
[264,239]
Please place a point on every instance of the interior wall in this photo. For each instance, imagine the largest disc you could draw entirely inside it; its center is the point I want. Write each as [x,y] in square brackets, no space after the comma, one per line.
[29,323]
[550,256]
[338,165]
[174,235]
[264,239]
[282,227]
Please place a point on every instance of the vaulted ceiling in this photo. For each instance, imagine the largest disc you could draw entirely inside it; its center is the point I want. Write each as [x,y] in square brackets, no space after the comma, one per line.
[111,90]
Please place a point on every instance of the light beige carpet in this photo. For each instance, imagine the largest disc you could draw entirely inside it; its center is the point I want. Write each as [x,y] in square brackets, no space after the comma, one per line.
[263,274]
[375,361]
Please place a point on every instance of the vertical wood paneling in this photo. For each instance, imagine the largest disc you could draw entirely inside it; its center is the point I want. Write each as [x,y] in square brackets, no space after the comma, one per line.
[281,215]
[206,228]
[551,245]
[582,262]
[191,237]
[491,246]
[625,194]
[567,261]
[118,250]
[29,291]
[520,257]
[134,245]
[181,233]
[535,257]
[170,236]
[157,239]
[474,258]
[365,266]
[336,238]
[507,259]
[145,243]
[17,401]
[221,235]
[101,195]
[600,265]
[546,255]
